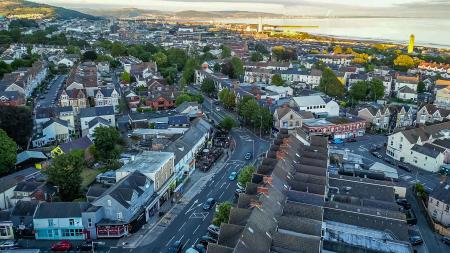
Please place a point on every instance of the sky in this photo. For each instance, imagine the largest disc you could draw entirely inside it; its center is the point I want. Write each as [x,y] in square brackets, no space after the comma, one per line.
[287,7]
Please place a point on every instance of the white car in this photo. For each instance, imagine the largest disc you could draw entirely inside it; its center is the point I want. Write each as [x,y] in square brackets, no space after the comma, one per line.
[218,109]
[8,245]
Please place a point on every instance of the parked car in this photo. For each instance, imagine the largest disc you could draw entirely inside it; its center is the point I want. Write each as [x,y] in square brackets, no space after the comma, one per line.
[446,240]
[86,246]
[213,229]
[209,204]
[233,176]
[218,109]
[9,245]
[404,167]
[414,237]
[200,248]
[248,156]
[176,247]
[336,141]
[205,240]
[238,191]
[403,202]
[377,155]
[192,250]
[351,140]
[62,246]
[410,217]
[240,186]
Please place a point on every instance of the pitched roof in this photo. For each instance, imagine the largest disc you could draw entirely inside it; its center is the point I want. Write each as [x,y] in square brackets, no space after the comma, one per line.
[424,132]
[99,120]
[178,120]
[428,149]
[96,111]
[57,121]
[13,179]
[308,100]
[28,154]
[81,143]
[442,192]
[47,210]
[24,208]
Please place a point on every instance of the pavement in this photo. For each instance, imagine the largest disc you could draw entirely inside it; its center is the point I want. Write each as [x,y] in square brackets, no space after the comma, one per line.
[186,220]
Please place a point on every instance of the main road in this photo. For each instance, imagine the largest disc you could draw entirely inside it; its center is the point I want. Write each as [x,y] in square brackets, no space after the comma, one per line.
[192,222]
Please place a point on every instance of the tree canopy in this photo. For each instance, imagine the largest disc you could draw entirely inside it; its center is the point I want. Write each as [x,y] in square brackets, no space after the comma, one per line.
[256,56]
[65,172]
[107,142]
[222,214]
[404,62]
[17,122]
[359,90]
[277,80]
[376,89]
[245,175]
[226,51]
[330,85]
[208,86]
[228,98]
[8,152]
[227,123]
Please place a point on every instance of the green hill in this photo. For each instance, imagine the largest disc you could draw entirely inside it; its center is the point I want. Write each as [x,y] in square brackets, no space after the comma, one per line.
[29,10]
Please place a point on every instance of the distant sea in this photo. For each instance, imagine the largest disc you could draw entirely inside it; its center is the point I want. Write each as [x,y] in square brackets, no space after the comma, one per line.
[428,31]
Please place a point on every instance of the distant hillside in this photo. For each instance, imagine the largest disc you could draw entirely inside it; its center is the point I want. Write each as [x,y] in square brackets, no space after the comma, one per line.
[135,12]
[30,10]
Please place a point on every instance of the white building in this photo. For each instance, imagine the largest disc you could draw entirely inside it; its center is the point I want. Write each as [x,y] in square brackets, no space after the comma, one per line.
[315,104]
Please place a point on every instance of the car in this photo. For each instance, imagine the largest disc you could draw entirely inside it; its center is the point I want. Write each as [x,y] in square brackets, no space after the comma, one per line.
[176,247]
[86,246]
[9,245]
[209,204]
[61,246]
[404,167]
[377,155]
[192,250]
[410,217]
[248,156]
[240,186]
[205,240]
[414,237]
[42,97]
[403,202]
[218,109]
[129,135]
[337,141]
[238,191]
[446,239]
[351,140]
[213,229]
[200,248]
[233,176]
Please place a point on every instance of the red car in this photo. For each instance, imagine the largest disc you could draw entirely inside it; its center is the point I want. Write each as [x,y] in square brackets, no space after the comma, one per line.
[62,246]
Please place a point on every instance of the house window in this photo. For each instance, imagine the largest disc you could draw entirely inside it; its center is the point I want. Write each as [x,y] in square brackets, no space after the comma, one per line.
[4,230]
[447,208]
[400,146]
[119,215]
[89,223]
[50,223]
[109,202]
[71,222]
[437,203]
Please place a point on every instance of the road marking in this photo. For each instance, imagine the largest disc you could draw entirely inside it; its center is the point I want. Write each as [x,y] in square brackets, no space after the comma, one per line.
[183,225]
[221,194]
[188,242]
[228,185]
[196,229]
[192,207]
[170,240]
[201,215]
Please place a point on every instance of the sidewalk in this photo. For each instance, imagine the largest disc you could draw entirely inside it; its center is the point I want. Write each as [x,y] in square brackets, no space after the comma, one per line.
[157,225]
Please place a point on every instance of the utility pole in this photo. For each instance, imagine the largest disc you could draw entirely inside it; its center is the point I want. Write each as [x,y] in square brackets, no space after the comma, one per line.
[260,126]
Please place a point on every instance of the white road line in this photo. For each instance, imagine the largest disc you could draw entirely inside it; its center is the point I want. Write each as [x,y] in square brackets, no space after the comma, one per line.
[221,194]
[196,229]
[188,242]
[228,185]
[170,240]
[183,225]
[181,237]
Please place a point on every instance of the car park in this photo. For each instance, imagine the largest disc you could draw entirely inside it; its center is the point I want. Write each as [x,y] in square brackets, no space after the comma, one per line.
[176,247]
[62,246]
[209,204]
[233,176]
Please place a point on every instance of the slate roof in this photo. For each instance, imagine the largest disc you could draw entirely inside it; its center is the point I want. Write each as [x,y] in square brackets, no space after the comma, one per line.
[28,154]
[123,190]
[48,210]
[428,149]
[100,120]
[54,120]
[442,192]
[424,132]
[27,186]
[81,143]
[96,111]
[309,100]
[178,120]
[13,179]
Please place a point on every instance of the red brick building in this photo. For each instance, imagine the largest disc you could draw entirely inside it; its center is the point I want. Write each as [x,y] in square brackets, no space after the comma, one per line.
[335,127]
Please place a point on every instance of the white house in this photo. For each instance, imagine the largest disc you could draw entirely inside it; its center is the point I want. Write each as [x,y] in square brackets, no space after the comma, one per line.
[315,104]
[107,97]
[88,114]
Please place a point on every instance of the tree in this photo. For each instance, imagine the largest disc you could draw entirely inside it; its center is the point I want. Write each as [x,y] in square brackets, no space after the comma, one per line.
[118,49]
[421,87]
[248,109]
[376,89]
[17,122]
[404,62]
[227,123]
[208,86]
[8,152]
[238,67]
[223,213]
[126,77]
[90,55]
[320,65]
[246,175]
[260,48]
[277,80]
[183,97]
[169,74]
[330,85]
[65,172]
[337,50]
[277,52]
[217,67]
[189,71]
[71,49]
[359,90]
[256,56]
[177,57]
[226,51]
[160,58]
[106,142]
[228,98]
[206,48]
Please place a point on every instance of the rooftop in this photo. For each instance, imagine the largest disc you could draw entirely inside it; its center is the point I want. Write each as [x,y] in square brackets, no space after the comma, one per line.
[147,162]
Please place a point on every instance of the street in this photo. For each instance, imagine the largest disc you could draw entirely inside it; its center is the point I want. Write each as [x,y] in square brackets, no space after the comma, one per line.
[50,96]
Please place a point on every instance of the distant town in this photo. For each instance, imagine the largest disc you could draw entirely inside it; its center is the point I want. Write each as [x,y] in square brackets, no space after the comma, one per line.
[161,135]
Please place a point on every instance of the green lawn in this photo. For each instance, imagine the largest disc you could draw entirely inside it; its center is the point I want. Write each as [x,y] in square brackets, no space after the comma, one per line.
[88,176]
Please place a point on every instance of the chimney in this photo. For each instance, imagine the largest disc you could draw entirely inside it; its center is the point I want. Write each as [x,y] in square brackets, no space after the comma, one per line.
[267,180]
[263,190]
